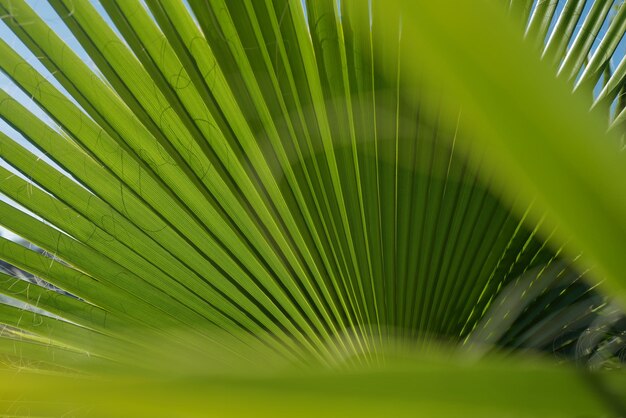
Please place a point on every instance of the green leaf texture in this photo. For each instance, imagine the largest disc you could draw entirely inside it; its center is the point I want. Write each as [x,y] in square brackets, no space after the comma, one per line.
[317,186]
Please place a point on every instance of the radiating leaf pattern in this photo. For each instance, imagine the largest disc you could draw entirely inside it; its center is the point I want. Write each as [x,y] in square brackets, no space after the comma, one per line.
[258,181]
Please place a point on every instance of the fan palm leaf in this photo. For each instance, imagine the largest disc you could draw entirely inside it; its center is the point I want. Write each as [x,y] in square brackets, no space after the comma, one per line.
[220,184]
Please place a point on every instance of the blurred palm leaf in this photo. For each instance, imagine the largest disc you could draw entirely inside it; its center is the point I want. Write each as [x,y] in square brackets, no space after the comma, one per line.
[257,181]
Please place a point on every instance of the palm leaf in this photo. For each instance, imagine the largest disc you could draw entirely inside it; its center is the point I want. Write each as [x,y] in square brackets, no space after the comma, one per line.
[223,184]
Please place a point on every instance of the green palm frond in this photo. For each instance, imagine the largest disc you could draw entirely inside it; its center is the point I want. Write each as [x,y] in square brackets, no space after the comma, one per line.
[232,185]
